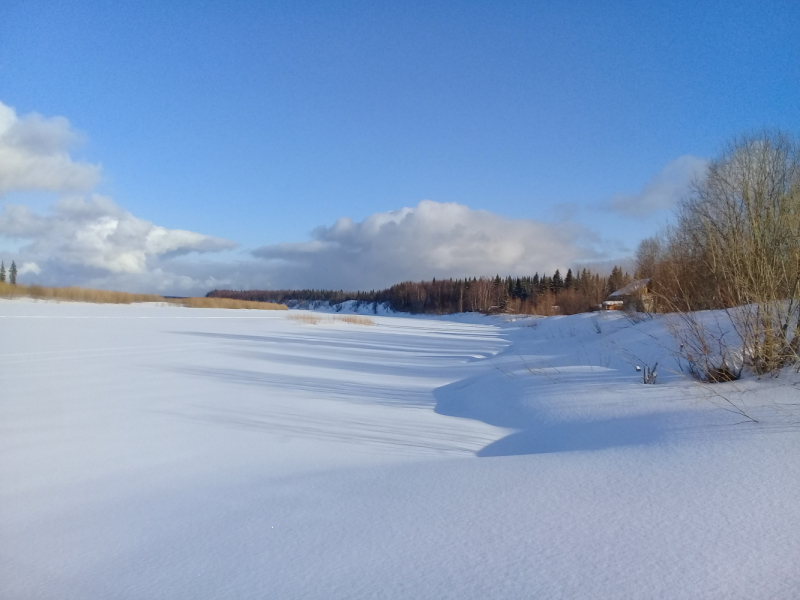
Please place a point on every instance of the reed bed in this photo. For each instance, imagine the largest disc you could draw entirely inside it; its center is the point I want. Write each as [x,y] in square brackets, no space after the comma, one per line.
[356,320]
[225,303]
[306,319]
[78,294]
[312,319]
[74,294]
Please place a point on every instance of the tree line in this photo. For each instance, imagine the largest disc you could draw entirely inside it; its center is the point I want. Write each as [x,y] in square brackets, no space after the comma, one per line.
[545,295]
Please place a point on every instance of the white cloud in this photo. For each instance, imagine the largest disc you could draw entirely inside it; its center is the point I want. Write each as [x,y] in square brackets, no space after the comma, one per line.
[34,155]
[664,190]
[29,267]
[87,241]
[430,240]
[97,238]
[90,241]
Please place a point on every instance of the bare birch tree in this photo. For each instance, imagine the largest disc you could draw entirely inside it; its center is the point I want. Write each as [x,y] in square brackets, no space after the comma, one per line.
[737,245]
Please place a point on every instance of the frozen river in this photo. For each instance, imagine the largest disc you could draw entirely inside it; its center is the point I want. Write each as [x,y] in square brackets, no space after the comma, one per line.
[162,452]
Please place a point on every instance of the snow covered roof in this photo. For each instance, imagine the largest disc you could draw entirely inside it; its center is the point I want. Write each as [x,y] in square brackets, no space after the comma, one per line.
[633,287]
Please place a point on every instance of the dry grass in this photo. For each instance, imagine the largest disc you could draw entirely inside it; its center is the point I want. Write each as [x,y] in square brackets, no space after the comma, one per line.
[356,320]
[312,319]
[225,303]
[307,319]
[76,294]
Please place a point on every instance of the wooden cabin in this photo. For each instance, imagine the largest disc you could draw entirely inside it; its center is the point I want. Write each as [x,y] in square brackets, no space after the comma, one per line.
[636,296]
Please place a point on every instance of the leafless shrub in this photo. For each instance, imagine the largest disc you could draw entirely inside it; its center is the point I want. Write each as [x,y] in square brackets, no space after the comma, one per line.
[706,347]
[723,374]
[736,246]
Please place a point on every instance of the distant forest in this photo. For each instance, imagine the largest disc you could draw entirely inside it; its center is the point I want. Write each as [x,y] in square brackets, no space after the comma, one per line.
[545,295]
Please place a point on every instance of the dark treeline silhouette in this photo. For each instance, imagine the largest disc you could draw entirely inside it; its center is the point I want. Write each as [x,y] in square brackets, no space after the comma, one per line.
[545,295]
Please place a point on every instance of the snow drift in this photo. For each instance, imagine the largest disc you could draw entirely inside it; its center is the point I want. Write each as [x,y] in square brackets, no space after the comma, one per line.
[168,452]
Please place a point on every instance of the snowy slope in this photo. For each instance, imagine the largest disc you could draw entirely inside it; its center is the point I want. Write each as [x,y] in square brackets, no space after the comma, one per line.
[163,452]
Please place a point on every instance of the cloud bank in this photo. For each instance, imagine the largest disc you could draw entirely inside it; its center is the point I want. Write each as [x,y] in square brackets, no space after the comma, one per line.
[664,189]
[96,234]
[34,155]
[85,239]
[95,243]
[430,240]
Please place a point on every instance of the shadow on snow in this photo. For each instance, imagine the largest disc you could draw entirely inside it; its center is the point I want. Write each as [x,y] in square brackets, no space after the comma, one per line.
[502,404]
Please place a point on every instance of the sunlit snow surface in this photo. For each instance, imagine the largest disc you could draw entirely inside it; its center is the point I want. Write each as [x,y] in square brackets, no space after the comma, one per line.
[164,452]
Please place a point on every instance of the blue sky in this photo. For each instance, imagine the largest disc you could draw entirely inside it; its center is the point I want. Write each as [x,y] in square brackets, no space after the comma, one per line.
[259,125]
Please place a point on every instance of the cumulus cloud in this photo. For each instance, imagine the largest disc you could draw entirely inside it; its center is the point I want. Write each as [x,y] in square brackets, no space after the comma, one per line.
[90,240]
[34,155]
[94,243]
[96,237]
[29,267]
[664,190]
[430,240]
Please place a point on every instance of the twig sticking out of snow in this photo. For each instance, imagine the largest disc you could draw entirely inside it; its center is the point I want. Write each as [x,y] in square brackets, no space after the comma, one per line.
[650,374]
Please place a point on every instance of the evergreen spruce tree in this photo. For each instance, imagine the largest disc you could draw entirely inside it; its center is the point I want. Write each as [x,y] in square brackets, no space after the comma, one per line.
[569,280]
[615,281]
[558,283]
[545,284]
[525,288]
[503,304]
[518,289]
[2,272]
[12,274]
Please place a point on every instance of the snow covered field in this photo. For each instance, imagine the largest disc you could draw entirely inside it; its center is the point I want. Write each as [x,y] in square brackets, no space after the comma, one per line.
[164,452]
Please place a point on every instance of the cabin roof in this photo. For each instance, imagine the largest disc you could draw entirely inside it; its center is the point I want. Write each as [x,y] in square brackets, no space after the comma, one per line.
[633,287]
